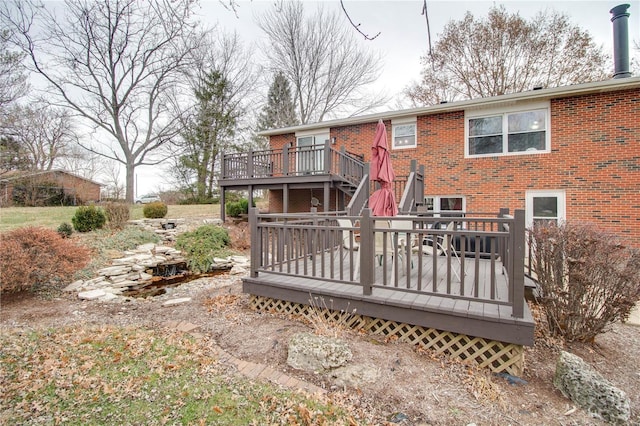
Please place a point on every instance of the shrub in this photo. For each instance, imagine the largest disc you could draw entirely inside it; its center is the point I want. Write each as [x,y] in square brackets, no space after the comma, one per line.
[31,258]
[202,245]
[65,230]
[117,214]
[88,218]
[237,208]
[587,279]
[155,210]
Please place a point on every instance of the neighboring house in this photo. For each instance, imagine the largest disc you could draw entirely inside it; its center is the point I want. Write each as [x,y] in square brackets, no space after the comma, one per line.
[75,189]
[559,153]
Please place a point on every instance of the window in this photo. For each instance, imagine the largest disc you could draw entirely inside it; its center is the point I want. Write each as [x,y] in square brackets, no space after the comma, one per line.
[545,206]
[310,151]
[404,133]
[443,206]
[511,132]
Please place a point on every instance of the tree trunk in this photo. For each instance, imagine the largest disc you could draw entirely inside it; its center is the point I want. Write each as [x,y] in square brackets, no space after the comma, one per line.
[130,182]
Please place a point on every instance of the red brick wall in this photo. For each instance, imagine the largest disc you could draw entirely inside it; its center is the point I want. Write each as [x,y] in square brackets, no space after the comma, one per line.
[595,158]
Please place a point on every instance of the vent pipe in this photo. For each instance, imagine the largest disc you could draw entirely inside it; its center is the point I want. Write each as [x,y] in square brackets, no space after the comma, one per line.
[620,21]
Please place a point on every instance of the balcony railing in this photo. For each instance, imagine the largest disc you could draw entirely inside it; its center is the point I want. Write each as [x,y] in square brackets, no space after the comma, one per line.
[293,161]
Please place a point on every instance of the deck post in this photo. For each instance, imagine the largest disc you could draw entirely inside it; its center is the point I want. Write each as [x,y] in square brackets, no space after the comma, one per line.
[327,156]
[502,249]
[285,159]
[326,197]
[518,263]
[250,164]
[256,248]
[222,203]
[367,242]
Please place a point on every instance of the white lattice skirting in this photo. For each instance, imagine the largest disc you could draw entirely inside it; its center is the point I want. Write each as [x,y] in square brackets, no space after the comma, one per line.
[498,356]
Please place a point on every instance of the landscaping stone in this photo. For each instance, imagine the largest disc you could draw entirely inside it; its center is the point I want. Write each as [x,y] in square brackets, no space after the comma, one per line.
[581,383]
[74,286]
[176,301]
[91,294]
[317,353]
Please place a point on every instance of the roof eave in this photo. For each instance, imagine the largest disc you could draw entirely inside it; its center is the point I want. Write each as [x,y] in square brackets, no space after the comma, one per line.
[533,95]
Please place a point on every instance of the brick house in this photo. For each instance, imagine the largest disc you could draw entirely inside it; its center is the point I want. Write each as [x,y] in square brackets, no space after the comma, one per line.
[76,189]
[560,153]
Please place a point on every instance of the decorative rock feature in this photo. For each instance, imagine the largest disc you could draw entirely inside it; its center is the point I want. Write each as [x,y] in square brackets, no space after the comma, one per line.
[578,381]
[317,353]
[134,272]
[168,229]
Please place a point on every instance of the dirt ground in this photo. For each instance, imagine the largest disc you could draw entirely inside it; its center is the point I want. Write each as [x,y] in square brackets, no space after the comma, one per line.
[413,387]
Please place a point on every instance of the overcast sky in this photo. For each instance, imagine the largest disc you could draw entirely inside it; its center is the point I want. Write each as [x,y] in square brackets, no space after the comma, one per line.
[403,33]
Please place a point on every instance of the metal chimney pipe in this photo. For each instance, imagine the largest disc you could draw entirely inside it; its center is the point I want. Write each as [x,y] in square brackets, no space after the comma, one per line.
[620,21]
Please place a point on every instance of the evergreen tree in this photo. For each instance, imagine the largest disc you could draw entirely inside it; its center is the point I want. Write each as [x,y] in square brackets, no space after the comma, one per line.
[279,111]
[212,126]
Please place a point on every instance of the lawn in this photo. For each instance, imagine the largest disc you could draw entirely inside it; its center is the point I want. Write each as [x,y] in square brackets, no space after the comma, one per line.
[113,375]
[52,217]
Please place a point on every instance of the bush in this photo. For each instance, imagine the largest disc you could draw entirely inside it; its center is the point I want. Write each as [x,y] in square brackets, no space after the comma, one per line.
[587,279]
[88,218]
[117,214]
[155,210]
[202,245]
[237,208]
[31,258]
[65,230]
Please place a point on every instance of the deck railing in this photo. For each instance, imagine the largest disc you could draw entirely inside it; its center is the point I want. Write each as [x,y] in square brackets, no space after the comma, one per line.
[293,161]
[477,257]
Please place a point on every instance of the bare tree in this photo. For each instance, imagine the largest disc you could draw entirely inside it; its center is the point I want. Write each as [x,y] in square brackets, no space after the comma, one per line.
[326,67]
[110,176]
[44,133]
[113,63]
[504,53]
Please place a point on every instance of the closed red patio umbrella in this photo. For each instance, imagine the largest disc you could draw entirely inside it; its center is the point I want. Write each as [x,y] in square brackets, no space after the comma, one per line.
[382,202]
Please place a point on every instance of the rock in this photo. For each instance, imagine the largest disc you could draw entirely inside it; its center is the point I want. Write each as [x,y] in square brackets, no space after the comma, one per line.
[238,270]
[74,286]
[581,383]
[91,294]
[114,270]
[145,247]
[176,301]
[316,353]
[355,375]
[107,297]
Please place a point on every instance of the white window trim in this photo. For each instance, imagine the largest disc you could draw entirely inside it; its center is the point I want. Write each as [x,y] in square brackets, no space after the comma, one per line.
[546,105]
[436,203]
[401,121]
[560,194]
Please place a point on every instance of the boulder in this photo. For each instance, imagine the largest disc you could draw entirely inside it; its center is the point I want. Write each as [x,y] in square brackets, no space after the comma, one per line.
[317,353]
[581,383]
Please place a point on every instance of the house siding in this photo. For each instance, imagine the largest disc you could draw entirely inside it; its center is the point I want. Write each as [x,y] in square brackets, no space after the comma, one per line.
[594,158]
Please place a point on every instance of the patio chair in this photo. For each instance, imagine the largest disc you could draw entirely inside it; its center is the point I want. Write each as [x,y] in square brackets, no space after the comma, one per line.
[405,237]
[439,246]
[349,242]
[391,248]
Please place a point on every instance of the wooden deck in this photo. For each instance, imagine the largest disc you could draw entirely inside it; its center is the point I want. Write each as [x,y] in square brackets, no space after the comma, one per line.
[298,261]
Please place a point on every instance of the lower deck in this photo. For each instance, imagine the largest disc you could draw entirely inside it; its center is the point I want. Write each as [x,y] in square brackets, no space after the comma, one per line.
[460,304]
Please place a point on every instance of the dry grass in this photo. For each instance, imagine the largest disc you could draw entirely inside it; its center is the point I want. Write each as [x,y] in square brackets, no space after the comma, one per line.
[51,217]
